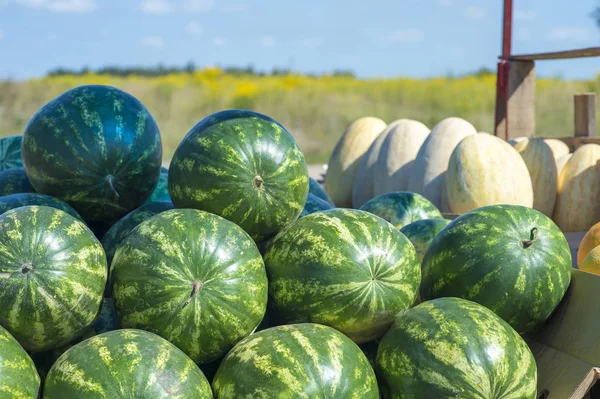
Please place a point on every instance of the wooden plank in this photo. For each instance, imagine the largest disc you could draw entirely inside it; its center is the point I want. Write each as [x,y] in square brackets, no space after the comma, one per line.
[585,115]
[516,116]
[558,55]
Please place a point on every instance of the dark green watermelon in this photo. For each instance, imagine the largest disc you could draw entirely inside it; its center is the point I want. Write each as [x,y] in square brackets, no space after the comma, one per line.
[10,152]
[296,361]
[422,232]
[317,190]
[370,351]
[125,364]
[315,204]
[401,208]
[192,277]
[95,147]
[450,348]
[512,259]
[52,276]
[161,192]
[343,268]
[100,228]
[243,166]
[13,201]
[14,181]
[18,376]
[123,227]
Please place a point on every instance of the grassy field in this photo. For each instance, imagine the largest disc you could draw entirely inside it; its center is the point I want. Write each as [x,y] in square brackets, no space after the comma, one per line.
[316,110]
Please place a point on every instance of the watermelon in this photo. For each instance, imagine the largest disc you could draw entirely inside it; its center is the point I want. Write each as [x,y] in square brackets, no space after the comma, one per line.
[125,364]
[512,259]
[401,208]
[123,227]
[296,361]
[18,376]
[317,190]
[100,228]
[52,276]
[315,204]
[192,277]
[14,181]
[95,147]
[422,232]
[343,268]
[370,351]
[13,201]
[161,192]
[10,152]
[243,166]
[454,348]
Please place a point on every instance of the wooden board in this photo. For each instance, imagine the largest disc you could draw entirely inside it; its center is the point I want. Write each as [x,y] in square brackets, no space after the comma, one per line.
[558,55]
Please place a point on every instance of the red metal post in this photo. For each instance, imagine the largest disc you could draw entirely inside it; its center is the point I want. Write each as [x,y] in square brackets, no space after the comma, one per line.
[502,88]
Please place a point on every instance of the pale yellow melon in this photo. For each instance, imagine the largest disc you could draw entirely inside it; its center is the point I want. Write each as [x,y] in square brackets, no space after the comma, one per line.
[514,141]
[346,158]
[562,161]
[431,163]
[591,263]
[577,206]
[542,168]
[396,156]
[558,147]
[486,170]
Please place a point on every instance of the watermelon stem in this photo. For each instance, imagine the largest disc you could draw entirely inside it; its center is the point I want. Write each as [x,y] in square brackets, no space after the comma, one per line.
[109,179]
[534,236]
[258,182]
[196,286]
[26,268]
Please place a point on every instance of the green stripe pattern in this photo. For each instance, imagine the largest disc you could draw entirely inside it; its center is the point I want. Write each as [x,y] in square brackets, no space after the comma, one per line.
[344,268]
[401,208]
[512,259]
[192,277]
[422,232]
[14,181]
[316,189]
[14,201]
[243,166]
[18,376]
[95,147]
[52,276]
[125,364]
[451,348]
[315,204]
[161,192]
[10,152]
[298,361]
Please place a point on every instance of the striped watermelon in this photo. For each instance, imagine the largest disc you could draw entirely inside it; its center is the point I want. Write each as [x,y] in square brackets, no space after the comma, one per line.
[296,361]
[315,204]
[18,376]
[52,276]
[401,208]
[14,181]
[13,201]
[512,259]
[95,147]
[192,277]
[422,232]
[10,152]
[453,348]
[317,190]
[125,364]
[242,166]
[161,192]
[343,268]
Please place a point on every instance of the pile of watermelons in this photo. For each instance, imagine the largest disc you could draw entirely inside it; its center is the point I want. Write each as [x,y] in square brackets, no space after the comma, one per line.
[231,275]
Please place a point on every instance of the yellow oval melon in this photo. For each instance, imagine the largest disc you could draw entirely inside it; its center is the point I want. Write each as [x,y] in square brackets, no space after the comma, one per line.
[542,168]
[346,158]
[590,240]
[558,147]
[486,170]
[431,163]
[562,161]
[396,156]
[516,140]
[591,263]
[577,206]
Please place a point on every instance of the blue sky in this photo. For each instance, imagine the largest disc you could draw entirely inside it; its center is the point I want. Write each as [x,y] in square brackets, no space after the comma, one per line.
[374,38]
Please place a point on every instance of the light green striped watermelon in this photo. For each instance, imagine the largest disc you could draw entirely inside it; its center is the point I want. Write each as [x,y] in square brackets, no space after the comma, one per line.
[243,166]
[13,201]
[422,232]
[52,276]
[14,181]
[192,277]
[401,208]
[450,348]
[296,361]
[343,268]
[18,376]
[125,364]
[512,259]
[10,152]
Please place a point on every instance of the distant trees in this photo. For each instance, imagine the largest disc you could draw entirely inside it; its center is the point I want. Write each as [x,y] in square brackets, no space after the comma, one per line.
[596,16]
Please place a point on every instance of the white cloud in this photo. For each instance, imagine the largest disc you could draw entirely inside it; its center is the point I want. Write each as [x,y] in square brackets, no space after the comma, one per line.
[153,41]
[218,41]
[523,34]
[569,34]
[267,41]
[475,12]
[194,28]
[312,42]
[198,5]
[521,15]
[60,6]
[155,7]
[236,8]
[407,35]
